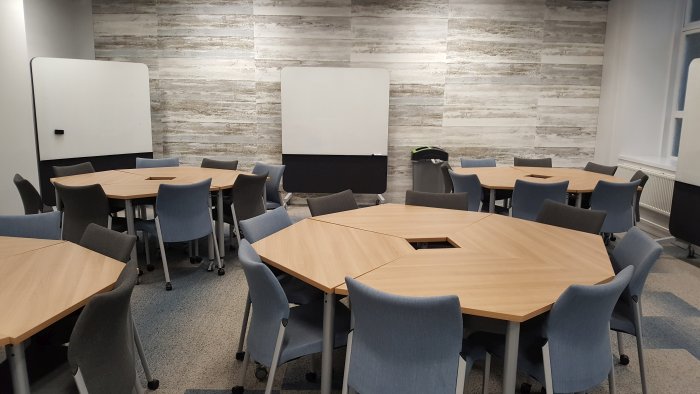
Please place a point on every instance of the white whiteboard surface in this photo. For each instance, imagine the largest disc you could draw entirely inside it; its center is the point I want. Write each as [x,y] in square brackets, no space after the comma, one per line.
[688,166]
[103,107]
[335,111]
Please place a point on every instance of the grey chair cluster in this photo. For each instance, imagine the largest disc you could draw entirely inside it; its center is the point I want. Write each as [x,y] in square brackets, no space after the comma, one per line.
[31,200]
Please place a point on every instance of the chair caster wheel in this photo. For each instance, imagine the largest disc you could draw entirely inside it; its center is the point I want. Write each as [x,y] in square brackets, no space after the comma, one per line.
[140,271]
[237,390]
[624,359]
[221,272]
[240,356]
[150,267]
[525,388]
[260,373]
[311,377]
[168,286]
[613,237]
[153,384]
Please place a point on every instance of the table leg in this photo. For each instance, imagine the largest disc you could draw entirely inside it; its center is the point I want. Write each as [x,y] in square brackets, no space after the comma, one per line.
[328,337]
[579,198]
[220,222]
[492,200]
[130,228]
[18,368]
[510,362]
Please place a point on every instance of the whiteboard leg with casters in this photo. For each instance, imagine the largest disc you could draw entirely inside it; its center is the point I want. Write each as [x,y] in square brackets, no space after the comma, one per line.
[327,354]
[18,368]
[220,222]
[380,199]
[492,200]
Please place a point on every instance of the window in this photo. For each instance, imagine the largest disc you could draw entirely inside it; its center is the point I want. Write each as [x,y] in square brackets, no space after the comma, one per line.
[689,50]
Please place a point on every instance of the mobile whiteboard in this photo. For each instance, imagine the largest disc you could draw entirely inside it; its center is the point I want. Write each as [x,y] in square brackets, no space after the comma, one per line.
[335,111]
[87,108]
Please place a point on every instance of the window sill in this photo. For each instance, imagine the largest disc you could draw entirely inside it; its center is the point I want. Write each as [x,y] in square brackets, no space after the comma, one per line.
[662,163]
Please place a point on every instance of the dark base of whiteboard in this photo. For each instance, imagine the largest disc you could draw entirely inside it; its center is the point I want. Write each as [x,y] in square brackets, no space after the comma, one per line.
[101,163]
[331,174]
[685,213]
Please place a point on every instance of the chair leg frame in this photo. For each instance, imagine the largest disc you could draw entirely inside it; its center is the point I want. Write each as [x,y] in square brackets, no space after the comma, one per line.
[244,326]
[640,350]
[547,368]
[163,257]
[275,357]
[461,375]
[216,243]
[346,369]
[487,373]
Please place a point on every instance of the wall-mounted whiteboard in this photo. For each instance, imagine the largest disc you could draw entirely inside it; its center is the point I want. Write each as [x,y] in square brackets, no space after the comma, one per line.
[688,166]
[103,108]
[335,111]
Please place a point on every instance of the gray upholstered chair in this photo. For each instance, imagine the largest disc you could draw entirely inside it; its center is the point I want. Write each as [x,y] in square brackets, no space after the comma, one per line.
[75,169]
[472,163]
[272,185]
[297,292]
[568,350]
[183,213]
[600,169]
[220,164]
[108,242]
[643,178]
[617,200]
[500,194]
[82,205]
[31,200]
[566,216]
[528,197]
[142,162]
[467,184]
[446,178]
[278,333]
[459,201]
[247,201]
[525,162]
[403,344]
[639,250]
[337,202]
[101,351]
[42,225]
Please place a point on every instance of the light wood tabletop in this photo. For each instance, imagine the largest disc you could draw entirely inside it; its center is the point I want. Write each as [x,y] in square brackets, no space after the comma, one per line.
[323,254]
[413,223]
[10,246]
[41,286]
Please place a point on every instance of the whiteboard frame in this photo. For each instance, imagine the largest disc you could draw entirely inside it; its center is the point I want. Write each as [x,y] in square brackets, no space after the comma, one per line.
[688,164]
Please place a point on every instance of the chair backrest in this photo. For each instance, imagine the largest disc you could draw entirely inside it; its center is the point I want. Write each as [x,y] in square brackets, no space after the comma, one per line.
[31,200]
[639,250]
[220,164]
[566,216]
[81,206]
[579,323]
[76,169]
[42,225]
[528,197]
[617,200]
[183,211]
[459,201]
[270,304]
[525,162]
[248,196]
[337,202]
[467,183]
[108,242]
[270,222]
[599,168]
[403,344]
[471,163]
[274,178]
[142,162]
[446,179]
[643,178]
[102,342]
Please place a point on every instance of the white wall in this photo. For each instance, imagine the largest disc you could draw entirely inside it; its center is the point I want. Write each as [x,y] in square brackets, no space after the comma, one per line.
[59,28]
[17,150]
[637,77]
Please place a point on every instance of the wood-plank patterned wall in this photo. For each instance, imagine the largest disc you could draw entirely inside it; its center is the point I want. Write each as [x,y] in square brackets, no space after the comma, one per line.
[481,78]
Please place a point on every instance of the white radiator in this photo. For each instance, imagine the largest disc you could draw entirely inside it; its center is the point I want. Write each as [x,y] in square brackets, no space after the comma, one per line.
[658,191]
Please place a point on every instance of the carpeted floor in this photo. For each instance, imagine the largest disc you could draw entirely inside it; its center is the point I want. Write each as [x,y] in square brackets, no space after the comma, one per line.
[190,333]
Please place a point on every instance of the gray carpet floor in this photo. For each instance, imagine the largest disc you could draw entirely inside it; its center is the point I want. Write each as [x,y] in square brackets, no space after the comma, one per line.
[190,334]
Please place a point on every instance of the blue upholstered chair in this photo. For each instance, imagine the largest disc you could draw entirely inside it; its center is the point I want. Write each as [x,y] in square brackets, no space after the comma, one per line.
[142,162]
[272,185]
[467,184]
[297,292]
[278,333]
[617,200]
[472,163]
[639,250]
[42,225]
[500,194]
[569,349]
[403,344]
[183,213]
[528,197]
